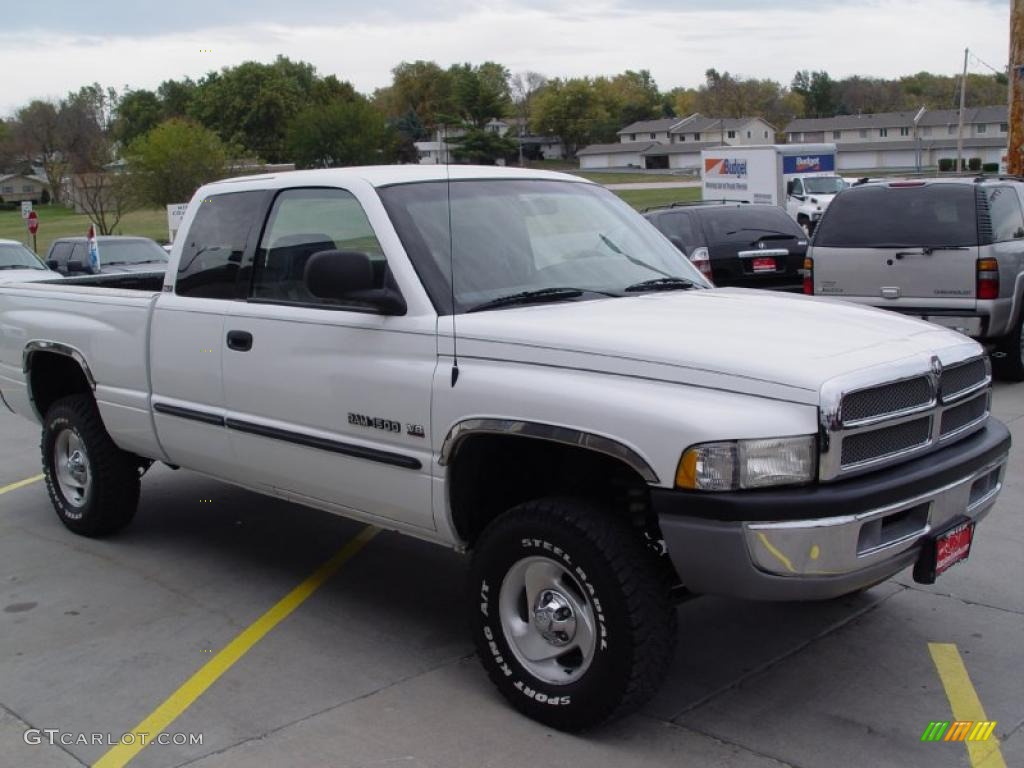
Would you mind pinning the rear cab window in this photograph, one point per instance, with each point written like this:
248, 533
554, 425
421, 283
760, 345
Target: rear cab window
890, 216
216, 241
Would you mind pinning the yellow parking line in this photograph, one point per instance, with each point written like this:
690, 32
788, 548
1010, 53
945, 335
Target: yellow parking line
966, 705
160, 718
20, 484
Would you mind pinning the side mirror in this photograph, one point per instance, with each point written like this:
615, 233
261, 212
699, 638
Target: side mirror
51, 264
789, 187
348, 275
74, 265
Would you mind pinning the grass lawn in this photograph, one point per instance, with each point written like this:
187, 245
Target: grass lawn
646, 198
57, 221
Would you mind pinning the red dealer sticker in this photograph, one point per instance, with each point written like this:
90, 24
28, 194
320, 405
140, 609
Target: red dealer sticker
764, 264
944, 550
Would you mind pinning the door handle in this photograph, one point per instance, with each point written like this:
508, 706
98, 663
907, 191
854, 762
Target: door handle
240, 341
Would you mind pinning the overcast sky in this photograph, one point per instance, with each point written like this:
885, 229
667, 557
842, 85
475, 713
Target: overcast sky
50, 48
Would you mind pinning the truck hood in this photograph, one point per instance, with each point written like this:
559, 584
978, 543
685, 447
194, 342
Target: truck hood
783, 346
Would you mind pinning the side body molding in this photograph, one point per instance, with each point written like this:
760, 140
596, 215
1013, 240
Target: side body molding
548, 432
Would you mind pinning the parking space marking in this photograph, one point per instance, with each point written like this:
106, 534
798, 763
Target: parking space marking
20, 484
161, 718
966, 705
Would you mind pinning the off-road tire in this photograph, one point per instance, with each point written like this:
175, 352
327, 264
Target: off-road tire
109, 501
610, 564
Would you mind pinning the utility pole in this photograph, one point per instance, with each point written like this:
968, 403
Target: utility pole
1015, 153
960, 125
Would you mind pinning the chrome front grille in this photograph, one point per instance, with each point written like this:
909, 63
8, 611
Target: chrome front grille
887, 399
886, 442
964, 415
871, 423
959, 379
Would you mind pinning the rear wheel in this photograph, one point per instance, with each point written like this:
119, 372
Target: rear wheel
1010, 364
571, 618
93, 484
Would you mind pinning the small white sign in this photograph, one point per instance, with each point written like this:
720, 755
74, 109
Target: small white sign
175, 215
26, 208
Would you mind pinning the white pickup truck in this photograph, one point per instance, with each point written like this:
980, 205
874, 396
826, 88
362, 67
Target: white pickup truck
579, 408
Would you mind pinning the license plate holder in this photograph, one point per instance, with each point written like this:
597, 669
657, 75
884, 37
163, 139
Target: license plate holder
764, 264
943, 549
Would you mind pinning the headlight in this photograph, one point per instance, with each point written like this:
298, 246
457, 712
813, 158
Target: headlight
729, 466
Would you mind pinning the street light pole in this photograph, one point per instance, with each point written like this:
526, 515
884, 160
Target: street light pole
1015, 138
960, 124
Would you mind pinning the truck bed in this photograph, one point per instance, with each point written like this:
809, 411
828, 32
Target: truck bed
105, 320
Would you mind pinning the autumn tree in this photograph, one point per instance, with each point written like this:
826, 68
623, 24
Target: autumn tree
170, 162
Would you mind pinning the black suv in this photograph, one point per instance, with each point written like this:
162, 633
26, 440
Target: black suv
118, 255
736, 244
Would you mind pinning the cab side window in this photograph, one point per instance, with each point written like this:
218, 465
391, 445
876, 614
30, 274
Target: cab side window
304, 222
798, 187
216, 241
1004, 207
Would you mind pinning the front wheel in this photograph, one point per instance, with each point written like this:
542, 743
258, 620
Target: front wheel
571, 617
93, 484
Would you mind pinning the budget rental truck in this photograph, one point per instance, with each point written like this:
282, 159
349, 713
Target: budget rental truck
799, 177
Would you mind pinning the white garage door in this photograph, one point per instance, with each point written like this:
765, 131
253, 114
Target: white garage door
898, 158
594, 161
855, 161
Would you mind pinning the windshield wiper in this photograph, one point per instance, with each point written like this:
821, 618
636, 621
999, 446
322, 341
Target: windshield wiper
662, 284
18, 266
632, 259
536, 296
928, 250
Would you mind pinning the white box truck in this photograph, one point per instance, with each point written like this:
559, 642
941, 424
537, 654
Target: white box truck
799, 177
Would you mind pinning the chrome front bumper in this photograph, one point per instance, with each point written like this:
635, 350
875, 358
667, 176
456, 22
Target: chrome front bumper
840, 545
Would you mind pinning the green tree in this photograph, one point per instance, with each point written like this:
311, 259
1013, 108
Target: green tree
569, 109
170, 162
818, 92
251, 105
176, 97
482, 147
420, 86
342, 132
480, 93
138, 112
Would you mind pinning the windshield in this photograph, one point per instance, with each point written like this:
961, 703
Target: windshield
14, 256
824, 185
881, 216
511, 236
139, 251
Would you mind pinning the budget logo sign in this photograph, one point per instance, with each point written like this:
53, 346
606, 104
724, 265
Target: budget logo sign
958, 730
808, 163
725, 167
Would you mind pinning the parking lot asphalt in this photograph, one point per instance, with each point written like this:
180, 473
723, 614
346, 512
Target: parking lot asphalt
375, 667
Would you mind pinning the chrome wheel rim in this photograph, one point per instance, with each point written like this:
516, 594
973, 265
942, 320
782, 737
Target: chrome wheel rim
71, 467
548, 620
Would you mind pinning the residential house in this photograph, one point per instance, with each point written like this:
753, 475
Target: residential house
674, 142
438, 149
891, 139
16, 187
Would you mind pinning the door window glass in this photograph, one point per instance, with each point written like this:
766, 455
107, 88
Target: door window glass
307, 221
